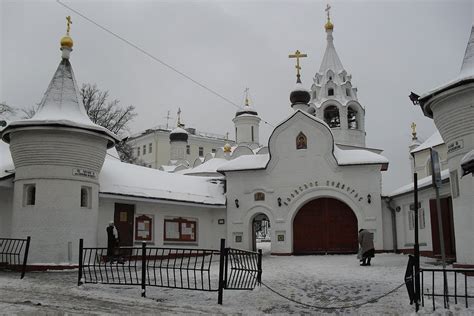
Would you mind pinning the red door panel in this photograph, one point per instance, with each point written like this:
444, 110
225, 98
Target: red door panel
325, 226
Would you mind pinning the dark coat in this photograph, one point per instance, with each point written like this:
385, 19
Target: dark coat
111, 240
366, 241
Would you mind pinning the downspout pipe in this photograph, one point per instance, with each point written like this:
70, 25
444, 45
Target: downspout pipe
388, 202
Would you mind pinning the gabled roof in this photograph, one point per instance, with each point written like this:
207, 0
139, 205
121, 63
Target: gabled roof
342, 157
62, 106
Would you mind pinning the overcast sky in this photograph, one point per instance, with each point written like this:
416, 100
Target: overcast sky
390, 48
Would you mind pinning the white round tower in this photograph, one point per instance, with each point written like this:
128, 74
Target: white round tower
247, 124
451, 106
58, 155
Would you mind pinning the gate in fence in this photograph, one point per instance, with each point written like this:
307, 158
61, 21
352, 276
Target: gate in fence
180, 268
14, 254
458, 289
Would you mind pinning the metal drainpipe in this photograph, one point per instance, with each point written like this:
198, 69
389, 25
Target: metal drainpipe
388, 201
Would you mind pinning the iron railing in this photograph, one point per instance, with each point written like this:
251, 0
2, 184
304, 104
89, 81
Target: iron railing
458, 280
179, 268
14, 254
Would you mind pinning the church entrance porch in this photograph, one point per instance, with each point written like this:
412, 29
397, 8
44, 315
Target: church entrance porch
325, 225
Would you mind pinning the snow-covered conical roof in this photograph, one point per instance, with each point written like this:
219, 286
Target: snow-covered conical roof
466, 74
62, 105
331, 59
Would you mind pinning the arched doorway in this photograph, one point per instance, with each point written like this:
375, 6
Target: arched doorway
260, 231
325, 225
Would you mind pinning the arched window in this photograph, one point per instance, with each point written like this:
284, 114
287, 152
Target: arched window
331, 116
29, 194
352, 118
301, 141
330, 91
348, 92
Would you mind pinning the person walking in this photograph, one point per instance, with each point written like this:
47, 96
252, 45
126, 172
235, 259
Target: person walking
112, 241
366, 242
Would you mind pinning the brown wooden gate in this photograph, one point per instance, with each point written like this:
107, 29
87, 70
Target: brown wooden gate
448, 228
325, 225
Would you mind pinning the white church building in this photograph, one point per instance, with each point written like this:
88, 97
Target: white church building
316, 183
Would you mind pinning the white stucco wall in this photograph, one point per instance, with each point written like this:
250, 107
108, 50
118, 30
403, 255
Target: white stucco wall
209, 232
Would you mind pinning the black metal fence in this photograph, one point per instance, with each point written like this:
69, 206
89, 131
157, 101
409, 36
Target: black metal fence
14, 254
458, 288
189, 269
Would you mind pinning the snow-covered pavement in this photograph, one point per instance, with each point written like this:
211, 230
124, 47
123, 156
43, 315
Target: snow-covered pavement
331, 281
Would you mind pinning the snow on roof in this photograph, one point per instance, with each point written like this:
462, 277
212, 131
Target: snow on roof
179, 130
467, 69
246, 162
358, 157
62, 105
422, 183
131, 180
6, 162
433, 141
209, 166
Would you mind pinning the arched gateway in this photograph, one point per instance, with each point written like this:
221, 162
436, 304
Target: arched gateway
325, 225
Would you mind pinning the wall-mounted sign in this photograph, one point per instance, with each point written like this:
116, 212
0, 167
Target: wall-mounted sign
84, 173
143, 228
281, 237
456, 145
327, 183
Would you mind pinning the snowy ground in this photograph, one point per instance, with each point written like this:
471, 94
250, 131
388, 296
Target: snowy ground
331, 281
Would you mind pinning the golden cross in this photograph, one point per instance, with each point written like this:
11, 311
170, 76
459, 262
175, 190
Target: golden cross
297, 55
69, 22
413, 129
247, 96
328, 8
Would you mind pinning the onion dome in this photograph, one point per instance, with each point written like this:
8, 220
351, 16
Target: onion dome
247, 109
299, 94
66, 41
329, 26
179, 134
227, 148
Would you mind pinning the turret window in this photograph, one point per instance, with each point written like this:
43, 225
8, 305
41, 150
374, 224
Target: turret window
301, 141
331, 116
348, 92
29, 194
330, 91
86, 197
352, 118
251, 131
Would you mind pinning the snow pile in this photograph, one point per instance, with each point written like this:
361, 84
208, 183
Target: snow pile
358, 157
207, 167
246, 162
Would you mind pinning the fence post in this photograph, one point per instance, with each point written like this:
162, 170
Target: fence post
143, 269
259, 267
221, 272
25, 257
81, 249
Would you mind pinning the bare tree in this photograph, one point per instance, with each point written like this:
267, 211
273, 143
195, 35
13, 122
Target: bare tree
6, 109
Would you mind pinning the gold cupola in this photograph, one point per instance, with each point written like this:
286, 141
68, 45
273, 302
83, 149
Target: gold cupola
328, 26
67, 41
